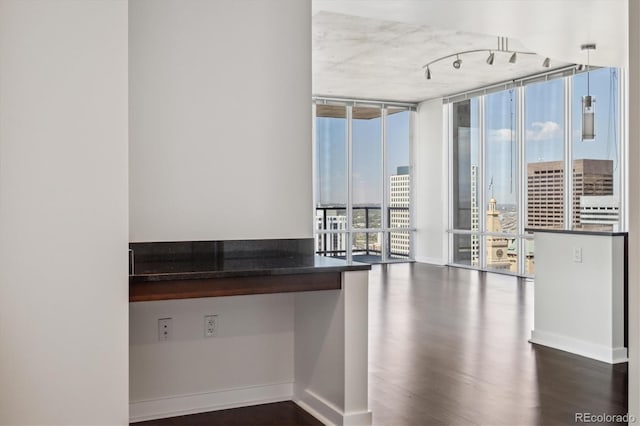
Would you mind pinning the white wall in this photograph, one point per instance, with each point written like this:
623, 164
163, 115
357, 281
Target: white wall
430, 188
249, 360
220, 148
633, 123
63, 212
220, 134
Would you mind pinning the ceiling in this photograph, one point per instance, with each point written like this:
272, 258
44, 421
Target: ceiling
376, 49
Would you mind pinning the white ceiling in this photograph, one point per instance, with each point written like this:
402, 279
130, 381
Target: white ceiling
375, 49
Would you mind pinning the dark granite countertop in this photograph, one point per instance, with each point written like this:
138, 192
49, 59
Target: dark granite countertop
171, 261
193, 270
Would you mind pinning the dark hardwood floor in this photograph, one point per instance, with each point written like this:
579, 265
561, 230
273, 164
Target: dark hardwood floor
276, 414
449, 346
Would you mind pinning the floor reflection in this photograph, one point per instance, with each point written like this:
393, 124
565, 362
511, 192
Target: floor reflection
450, 345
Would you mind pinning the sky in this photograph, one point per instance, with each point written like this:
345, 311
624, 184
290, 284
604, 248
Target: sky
544, 136
544, 128
331, 148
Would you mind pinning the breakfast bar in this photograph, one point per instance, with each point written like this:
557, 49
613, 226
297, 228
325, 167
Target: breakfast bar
293, 326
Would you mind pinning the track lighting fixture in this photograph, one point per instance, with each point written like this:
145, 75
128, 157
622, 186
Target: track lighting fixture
580, 67
588, 104
503, 47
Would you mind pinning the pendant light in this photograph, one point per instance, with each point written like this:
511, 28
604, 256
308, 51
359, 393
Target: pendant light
588, 104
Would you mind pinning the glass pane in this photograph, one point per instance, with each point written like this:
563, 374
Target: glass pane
530, 250
465, 164
500, 162
334, 244
596, 176
366, 246
399, 244
398, 181
544, 154
462, 249
331, 166
367, 167
366, 216
502, 253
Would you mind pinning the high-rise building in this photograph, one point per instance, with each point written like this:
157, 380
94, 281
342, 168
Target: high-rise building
331, 244
599, 210
399, 217
545, 190
475, 217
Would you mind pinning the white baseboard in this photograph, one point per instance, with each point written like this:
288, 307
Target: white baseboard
591, 350
210, 401
363, 418
431, 260
329, 414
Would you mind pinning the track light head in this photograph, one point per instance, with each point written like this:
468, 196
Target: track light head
457, 63
513, 58
580, 67
546, 62
490, 58
427, 74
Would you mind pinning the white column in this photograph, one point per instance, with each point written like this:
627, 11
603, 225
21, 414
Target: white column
430, 188
331, 353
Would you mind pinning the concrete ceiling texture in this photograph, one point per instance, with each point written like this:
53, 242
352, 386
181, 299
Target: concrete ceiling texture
376, 49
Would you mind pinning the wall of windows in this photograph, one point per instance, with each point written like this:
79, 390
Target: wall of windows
363, 181
510, 151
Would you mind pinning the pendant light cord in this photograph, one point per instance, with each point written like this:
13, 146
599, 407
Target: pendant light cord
588, 69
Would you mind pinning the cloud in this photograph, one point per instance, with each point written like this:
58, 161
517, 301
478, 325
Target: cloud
501, 135
542, 131
538, 131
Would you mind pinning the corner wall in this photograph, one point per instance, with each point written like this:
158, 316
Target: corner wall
63, 212
430, 190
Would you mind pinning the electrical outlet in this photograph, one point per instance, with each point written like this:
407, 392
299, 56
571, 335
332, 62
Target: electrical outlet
210, 325
164, 329
577, 254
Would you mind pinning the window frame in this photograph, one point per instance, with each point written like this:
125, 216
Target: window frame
384, 230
